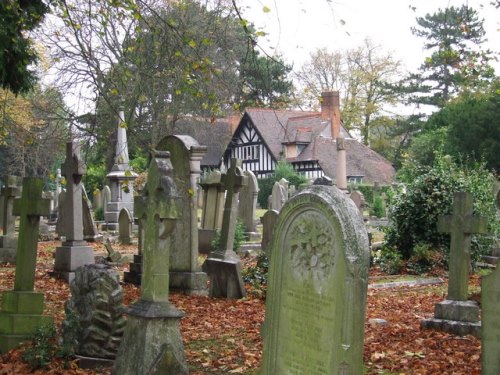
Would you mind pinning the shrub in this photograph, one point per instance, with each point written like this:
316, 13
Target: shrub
99, 214
239, 237
256, 276
390, 261
378, 207
42, 349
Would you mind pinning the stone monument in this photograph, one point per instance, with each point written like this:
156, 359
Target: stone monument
223, 265
278, 196
8, 240
490, 330
457, 314
125, 222
213, 209
316, 298
268, 222
341, 165
248, 205
22, 308
121, 178
74, 251
152, 341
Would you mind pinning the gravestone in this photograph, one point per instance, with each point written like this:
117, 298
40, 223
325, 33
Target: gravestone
457, 314
268, 221
121, 179
106, 197
97, 200
285, 184
125, 222
8, 241
223, 265
323, 180
316, 298
74, 251
213, 209
248, 204
152, 342
185, 273
94, 323
22, 308
90, 232
359, 200
490, 330
115, 256
55, 210
134, 274
278, 196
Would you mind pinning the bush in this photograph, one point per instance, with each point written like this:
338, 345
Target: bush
414, 214
390, 261
239, 237
378, 207
42, 348
424, 259
256, 276
99, 214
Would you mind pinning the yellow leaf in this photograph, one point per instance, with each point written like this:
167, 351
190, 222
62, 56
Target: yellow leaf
266, 9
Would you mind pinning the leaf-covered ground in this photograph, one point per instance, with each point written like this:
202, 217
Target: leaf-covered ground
223, 336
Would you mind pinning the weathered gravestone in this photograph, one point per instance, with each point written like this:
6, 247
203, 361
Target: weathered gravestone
456, 314
278, 196
185, 155
152, 342
359, 200
125, 222
74, 251
8, 240
316, 299
490, 330
223, 265
94, 323
106, 197
22, 308
213, 209
248, 204
90, 232
97, 199
268, 221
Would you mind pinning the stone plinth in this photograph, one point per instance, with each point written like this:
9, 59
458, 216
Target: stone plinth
69, 257
456, 317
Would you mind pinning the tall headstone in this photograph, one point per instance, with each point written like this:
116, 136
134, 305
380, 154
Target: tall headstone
278, 196
121, 178
490, 330
223, 265
125, 222
268, 221
22, 308
248, 204
341, 166
316, 298
55, 211
185, 155
457, 314
213, 209
90, 232
74, 251
152, 342
97, 200
106, 197
8, 241
359, 200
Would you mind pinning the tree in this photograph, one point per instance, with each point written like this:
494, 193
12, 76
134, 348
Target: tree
17, 18
362, 75
453, 37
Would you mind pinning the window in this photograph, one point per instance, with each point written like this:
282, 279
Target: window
250, 152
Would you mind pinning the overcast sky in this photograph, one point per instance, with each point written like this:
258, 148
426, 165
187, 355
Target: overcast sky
297, 27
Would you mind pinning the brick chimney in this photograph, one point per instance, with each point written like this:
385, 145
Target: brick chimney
330, 110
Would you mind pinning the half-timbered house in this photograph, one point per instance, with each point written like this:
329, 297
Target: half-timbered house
307, 140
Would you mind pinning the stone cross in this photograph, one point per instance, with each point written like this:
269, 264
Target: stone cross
29, 207
73, 169
157, 209
461, 224
233, 180
9, 192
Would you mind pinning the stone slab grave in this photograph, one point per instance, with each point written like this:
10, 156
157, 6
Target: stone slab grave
247, 207
316, 298
268, 221
185, 273
223, 265
8, 240
74, 251
125, 222
152, 341
457, 314
490, 330
22, 308
213, 209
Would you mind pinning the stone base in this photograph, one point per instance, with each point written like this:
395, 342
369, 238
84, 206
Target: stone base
92, 362
253, 236
133, 276
205, 237
152, 341
8, 255
94, 238
190, 283
225, 278
20, 317
456, 317
69, 258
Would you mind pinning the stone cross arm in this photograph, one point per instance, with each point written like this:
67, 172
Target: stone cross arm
468, 225
31, 203
73, 166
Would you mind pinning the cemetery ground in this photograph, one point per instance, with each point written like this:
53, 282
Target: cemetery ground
223, 336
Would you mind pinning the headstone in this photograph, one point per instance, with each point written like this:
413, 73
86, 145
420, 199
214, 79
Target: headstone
185, 273
285, 185
278, 197
94, 323
90, 232
359, 200
268, 221
152, 342
223, 265
490, 330
323, 180
97, 200
125, 222
113, 255
22, 308
55, 211
134, 274
121, 179
8, 240
316, 298
106, 198
213, 209
74, 251
248, 204
456, 314
341, 165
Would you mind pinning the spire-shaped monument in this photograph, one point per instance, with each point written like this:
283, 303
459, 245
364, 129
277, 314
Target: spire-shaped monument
121, 179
